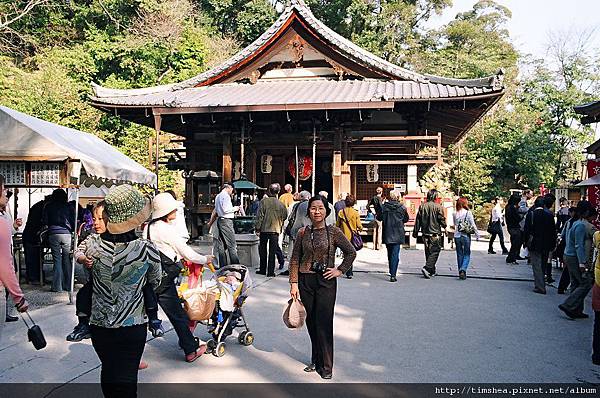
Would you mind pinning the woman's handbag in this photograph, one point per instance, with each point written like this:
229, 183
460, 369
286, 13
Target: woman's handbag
294, 314
199, 303
34, 333
356, 239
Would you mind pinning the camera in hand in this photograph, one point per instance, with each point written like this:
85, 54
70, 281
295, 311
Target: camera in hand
318, 267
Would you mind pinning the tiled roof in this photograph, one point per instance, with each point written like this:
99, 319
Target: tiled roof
298, 93
345, 46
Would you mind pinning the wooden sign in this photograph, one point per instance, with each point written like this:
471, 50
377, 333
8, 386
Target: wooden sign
45, 174
266, 164
372, 172
15, 173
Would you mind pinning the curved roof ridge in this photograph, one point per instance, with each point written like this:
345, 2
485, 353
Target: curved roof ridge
495, 80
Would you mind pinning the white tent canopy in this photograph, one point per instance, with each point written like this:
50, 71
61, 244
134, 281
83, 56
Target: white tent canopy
25, 136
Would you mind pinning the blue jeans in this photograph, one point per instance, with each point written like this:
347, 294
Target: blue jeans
393, 257
463, 252
61, 248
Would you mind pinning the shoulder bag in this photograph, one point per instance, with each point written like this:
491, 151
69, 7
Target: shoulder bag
464, 226
356, 239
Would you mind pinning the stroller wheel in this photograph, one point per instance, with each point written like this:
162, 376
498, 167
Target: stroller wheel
210, 346
246, 338
219, 350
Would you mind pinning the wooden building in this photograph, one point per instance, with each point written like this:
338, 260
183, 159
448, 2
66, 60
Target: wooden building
302, 88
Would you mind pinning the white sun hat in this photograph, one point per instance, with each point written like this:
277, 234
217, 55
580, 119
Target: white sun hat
163, 204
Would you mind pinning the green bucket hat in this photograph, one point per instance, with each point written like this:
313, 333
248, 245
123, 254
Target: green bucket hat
127, 209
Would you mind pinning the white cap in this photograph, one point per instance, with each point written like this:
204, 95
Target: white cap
163, 204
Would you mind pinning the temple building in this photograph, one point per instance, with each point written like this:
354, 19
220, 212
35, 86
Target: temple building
304, 105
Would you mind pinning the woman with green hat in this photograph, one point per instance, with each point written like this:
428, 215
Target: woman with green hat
122, 265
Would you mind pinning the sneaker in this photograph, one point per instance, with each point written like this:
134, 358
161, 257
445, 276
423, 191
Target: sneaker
462, 275
425, 273
80, 332
196, 354
310, 368
349, 276
581, 315
393, 279
567, 312
10, 318
155, 326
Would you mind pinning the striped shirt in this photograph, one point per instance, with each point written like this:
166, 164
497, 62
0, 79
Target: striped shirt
120, 271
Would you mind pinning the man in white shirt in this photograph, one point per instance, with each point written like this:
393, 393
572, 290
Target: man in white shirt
496, 225
225, 214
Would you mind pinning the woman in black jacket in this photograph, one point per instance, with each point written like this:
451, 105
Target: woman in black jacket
393, 215
514, 230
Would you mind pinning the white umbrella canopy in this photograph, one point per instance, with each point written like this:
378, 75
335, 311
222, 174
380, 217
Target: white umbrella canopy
595, 180
26, 137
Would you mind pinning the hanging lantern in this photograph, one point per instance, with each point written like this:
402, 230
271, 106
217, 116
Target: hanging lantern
372, 172
304, 167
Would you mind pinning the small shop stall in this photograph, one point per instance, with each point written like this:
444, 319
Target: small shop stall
39, 154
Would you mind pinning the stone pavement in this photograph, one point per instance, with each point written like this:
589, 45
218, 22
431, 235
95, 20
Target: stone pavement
415, 330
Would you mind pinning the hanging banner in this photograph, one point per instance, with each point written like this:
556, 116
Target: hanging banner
237, 170
372, 172
304, 167
45, 174
593, 192
266, 164
14, 173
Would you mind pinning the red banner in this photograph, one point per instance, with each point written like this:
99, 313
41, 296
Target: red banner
593, 192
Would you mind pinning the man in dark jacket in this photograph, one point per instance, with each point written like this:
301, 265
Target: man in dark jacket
269, 222
31, 241
431, 222
393, 215
540, 239
374, 207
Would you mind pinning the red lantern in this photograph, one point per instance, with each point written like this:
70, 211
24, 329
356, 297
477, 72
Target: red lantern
304, 167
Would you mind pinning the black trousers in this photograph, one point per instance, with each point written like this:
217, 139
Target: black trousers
120, 351
272, 238
32, 261
515, 244
83, 302
565, 279
171, 305
596, 338
500, 236
433, 246
318, 296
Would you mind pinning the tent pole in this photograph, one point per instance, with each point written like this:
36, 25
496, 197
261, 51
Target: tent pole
75, 242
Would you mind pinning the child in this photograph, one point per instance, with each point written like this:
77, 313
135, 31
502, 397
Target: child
83, 304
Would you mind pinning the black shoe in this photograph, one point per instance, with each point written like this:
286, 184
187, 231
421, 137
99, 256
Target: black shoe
505, 252
596, 361
326, 376
10, 318
539, 291
349, 276
425, 273
567, 312
491, 252
286, 272
81, 331
270, 275
550, 279
560, 291
520, 258
462, 275
261, 272
310, 368
581, 315
281, 266
393, 279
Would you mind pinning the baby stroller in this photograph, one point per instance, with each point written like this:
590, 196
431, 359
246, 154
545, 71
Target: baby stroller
228, 314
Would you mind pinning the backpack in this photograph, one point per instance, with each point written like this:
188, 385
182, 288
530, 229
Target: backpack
292, 220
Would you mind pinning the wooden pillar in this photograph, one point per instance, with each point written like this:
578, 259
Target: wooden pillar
157, 124
227, 164
336, 165
439, 148
346, 177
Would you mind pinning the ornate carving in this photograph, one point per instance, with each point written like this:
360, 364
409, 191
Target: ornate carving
339, 70
296, 48
254, 76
